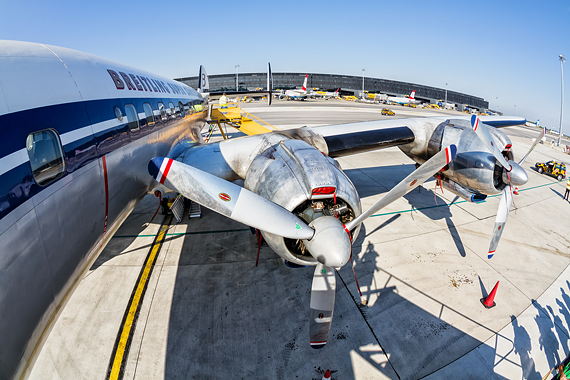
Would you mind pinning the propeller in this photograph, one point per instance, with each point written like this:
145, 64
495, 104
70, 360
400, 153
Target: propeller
322, 305
513, 175
331, 246
228, 199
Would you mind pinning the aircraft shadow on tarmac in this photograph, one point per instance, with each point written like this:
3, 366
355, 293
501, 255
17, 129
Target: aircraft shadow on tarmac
420, 199
229, 317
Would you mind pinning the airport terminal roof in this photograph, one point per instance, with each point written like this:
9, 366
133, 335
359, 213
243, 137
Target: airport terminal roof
331, 82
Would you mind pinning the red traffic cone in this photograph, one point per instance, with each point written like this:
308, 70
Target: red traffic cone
489, 301
516, 192
327, 375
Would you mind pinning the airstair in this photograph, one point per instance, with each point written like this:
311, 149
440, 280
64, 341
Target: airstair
239, 119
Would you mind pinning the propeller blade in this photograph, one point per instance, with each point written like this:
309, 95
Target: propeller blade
322, 305
418, 176
501, 220
538, 138
228, 199
481, 130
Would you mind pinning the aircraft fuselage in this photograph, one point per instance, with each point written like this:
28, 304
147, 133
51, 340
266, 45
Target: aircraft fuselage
78, 133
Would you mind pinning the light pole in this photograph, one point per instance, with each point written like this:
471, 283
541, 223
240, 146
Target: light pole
445, 105
497, 104
515, 110
237, 67
363, 83
562, 60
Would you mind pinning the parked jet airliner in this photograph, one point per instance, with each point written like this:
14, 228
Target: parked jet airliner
84, 139
405, 100
298, 94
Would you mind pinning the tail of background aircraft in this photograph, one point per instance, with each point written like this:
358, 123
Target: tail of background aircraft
204, 83
305, 83
413, 95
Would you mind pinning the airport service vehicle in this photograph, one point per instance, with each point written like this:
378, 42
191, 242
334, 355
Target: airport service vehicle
85, 139
326, 94
387, 111
552, 168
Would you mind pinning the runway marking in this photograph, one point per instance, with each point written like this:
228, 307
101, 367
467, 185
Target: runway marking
185, 233
122, 345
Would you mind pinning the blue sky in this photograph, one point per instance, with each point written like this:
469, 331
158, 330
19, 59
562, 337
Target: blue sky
506, 52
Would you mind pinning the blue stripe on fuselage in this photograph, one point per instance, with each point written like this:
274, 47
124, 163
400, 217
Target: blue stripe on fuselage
17, 184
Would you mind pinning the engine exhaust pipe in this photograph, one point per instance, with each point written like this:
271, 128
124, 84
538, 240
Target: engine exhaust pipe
463, 192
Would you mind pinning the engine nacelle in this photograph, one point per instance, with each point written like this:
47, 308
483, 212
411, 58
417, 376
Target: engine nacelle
301, 179
474, 169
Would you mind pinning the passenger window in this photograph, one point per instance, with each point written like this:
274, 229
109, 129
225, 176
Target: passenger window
118, 113
46, 156
162, 110
149, 114
181, 108
132, 116
172, 110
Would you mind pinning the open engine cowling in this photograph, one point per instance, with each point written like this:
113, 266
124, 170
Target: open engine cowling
301, 179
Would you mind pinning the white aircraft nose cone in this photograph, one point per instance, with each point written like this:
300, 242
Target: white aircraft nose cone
330, 245
517, 176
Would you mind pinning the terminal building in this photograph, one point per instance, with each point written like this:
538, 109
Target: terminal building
348, 84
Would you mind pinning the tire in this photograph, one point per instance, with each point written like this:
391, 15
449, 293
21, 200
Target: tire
559, 177
540, 170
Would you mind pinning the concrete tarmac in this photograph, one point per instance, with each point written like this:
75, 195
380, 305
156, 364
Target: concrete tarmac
209, 313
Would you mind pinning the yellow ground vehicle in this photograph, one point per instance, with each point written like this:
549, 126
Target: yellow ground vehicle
553, 168
387, 111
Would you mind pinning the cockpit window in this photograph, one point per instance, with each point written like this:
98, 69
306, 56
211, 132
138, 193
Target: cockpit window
46, 156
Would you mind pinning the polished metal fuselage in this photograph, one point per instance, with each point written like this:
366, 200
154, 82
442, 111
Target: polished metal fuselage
50, 234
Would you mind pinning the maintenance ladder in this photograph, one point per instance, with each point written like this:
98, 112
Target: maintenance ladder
237, 118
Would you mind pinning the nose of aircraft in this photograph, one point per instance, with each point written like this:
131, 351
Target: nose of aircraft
517, 176
331, 245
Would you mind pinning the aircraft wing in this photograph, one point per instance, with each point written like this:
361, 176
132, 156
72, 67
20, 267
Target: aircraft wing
346, 139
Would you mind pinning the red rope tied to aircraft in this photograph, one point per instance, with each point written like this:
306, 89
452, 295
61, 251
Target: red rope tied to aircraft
334, 197
258, 234
438, 179
157, 194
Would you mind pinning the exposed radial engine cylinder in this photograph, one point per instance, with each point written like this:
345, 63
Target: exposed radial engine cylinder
300, 178
474, 168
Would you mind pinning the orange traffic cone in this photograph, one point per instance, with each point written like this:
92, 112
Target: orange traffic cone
327, 375
489, 301
516, 192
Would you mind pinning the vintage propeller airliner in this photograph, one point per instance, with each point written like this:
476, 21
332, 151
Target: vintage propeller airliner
85, 139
